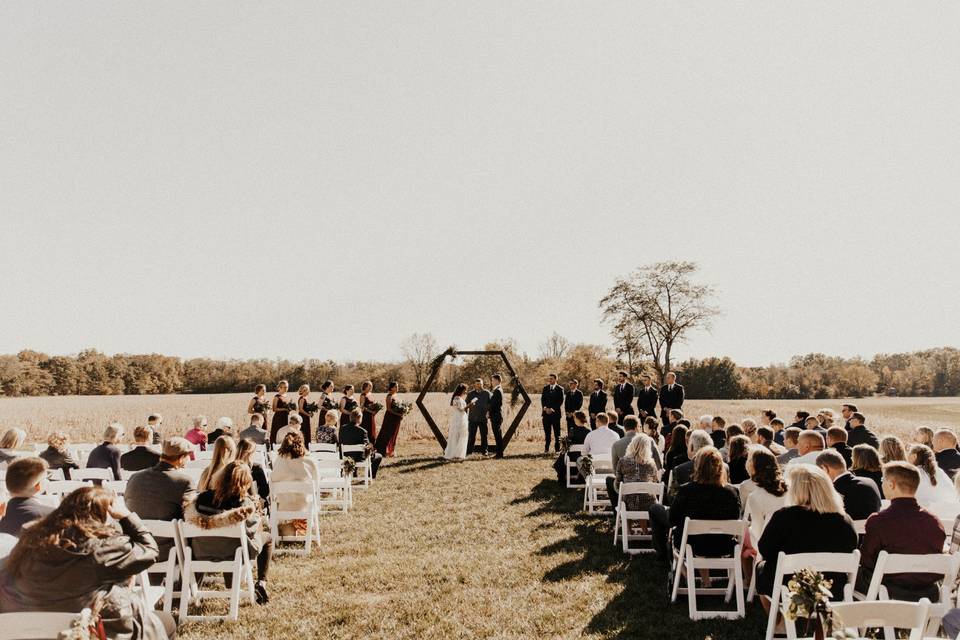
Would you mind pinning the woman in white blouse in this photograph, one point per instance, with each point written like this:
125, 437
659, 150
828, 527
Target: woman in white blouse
293, 465
935, 484
768, 492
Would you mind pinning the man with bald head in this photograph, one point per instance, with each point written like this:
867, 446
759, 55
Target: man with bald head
809, 447
945, 446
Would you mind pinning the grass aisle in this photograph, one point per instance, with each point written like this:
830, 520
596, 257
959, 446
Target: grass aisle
481, 549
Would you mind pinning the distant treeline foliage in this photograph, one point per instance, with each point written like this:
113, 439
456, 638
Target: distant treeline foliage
934, 372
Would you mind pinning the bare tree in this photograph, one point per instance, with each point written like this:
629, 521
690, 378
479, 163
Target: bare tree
629, 345
660, 303
555, 347
419, 349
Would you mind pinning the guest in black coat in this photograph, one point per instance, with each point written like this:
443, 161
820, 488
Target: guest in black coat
598, 402
866, 464
837, 440
738, 450
141, 456
647, 398
945, 447
814, 522
859, 434
24, 481
107, 454
623, 397
353, 434
57, 454
671, 397
551, 401
577, 435
612, 423
861, 498
496, 413
572, 402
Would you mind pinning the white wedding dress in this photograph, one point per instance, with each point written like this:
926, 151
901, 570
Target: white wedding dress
457, 433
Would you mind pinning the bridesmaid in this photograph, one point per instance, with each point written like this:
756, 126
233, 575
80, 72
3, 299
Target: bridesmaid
258, 403
326, 398
280, 405
369, 421
303, 400
347, 404
391, 423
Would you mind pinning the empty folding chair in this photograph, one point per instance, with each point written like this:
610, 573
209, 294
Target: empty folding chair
91, 474
304, 490
857, 617
621, 526
169, 567
239, 568
686, 563
324, 447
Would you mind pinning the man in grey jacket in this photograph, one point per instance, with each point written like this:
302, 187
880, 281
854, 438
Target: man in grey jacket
617, 451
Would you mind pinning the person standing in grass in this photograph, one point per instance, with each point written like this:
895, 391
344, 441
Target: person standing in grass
387, 438
281, 405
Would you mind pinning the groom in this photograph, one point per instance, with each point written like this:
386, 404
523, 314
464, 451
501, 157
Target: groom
496, 412
477, 418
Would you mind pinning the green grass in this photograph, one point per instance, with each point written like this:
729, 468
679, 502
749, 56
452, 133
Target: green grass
481, 549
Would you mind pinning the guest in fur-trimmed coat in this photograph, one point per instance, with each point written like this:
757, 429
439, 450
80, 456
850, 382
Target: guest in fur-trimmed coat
227, 504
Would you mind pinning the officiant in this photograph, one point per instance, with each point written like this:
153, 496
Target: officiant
477, 416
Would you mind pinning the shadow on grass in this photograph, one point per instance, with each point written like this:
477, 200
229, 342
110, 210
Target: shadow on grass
424, 463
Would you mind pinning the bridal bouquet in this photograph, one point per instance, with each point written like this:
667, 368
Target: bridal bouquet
402, 408
374, 407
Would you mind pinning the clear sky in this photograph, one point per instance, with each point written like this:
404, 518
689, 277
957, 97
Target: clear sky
320, 179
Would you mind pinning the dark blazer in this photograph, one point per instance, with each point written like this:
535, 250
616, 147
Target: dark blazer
705, 502
139, 458
105, 456
844, 450
949, 461
623, 398
353, 434
598, 402
617, 429
671, 399
20, 511
59, 460
496, 403
572, 401
552, 399
860, 496
478, 412
647, 401
876, 476
862, 435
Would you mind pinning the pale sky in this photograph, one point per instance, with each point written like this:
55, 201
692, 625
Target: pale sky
320, 179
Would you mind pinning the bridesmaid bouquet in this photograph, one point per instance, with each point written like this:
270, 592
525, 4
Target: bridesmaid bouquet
310, 407
809, 594
565, 443
288, 405
259, 406
328, 404
350, 405
375, 407
585, 465
402, 408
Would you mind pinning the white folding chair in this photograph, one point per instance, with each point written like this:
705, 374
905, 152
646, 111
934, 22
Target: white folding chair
239, 569
204, 455
91, 474
126, 475
151, 595
332, 457
363, 471
857, 617
197, 464
307, 490
193, 474
860, 526
685, 562
119, 487
595, 498
63, 487
37, 625
573, 474
52, 474
621, 525
171, 566
324, 447
787, 565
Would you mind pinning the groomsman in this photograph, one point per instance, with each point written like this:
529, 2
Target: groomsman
551, 399
496, 412
671, 397
647, 398
598, 402
572, 402
623, 397
477, 418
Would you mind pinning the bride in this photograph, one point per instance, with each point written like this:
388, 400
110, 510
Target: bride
457, 435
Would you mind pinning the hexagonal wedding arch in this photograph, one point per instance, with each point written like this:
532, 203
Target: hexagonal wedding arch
454, 353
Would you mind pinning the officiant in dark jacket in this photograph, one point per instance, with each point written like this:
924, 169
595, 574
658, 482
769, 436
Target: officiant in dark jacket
671, 397
598, 402
477, 416
647, 399
551, 400
623, 397
496, 413
572, 402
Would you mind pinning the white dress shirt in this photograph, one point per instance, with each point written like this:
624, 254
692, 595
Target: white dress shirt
599, 441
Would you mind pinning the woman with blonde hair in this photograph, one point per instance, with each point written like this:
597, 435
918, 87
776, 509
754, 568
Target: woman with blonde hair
923, 435
224, 452
57, 455
813, 521
935, 484
637, 465
11, 441
892, 450
306, 410
258, 403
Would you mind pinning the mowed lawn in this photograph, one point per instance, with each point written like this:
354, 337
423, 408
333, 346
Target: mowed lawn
481, 549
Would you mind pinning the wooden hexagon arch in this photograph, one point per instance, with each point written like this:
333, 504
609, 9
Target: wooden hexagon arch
438, 364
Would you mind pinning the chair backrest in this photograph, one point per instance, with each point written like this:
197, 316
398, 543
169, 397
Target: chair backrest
197, 464
166, 529
126, 475
654, 489
823, 562
36, 625
884, 613
734, 528
329, 469
91, 474
63, 487
119, 487
204, 455
325, 455
940, 564
576, 448
860, 526
194, 474
259, 457
323, 446
351, 448
299, 487
54, 474
188, 531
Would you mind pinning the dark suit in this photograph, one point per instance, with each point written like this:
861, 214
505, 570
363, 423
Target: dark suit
860, 496
551, 399
949, 461
572, 401
139, 458
21, 511
623, 399
477, 419
353, 434
844, 450
647, 402
496, 419
670, 399
862, 435
598, 404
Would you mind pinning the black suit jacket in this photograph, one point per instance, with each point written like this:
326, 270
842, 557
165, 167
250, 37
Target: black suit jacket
671, 399
552, 399
862, 435
623, 399
496, 403
844, 450
139, 458
598, 402
860, 496
573, 401
353, 434
647, 401
949, 461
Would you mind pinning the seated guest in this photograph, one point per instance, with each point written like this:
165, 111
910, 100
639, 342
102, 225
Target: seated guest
892, 450
24, 481
57, 455
800, 420
859, 434
837, 440
10, 443
945, 448
293, 465
778, 426
860, 495
600, 440
613, 423
749, 426
677, 453
764, 438
636, 465
578, 434
813, 423
866, 464
141, 456
224, 428
75, 558
327, 432
651, 429
107, 454
825, 417
809, 446
353, 434
630, 426
198, 433
764, 493
674, 417
706, 497
923, 435
294, 422
731, 432
791, 437
223, 454
718, 432
935, 484
256, 431
155, 424
906, 528
813, 521
245, 450
737, 451
683, 473
226, 504
160, 492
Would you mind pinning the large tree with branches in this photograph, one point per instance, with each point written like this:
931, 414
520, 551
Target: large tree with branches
661, 304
